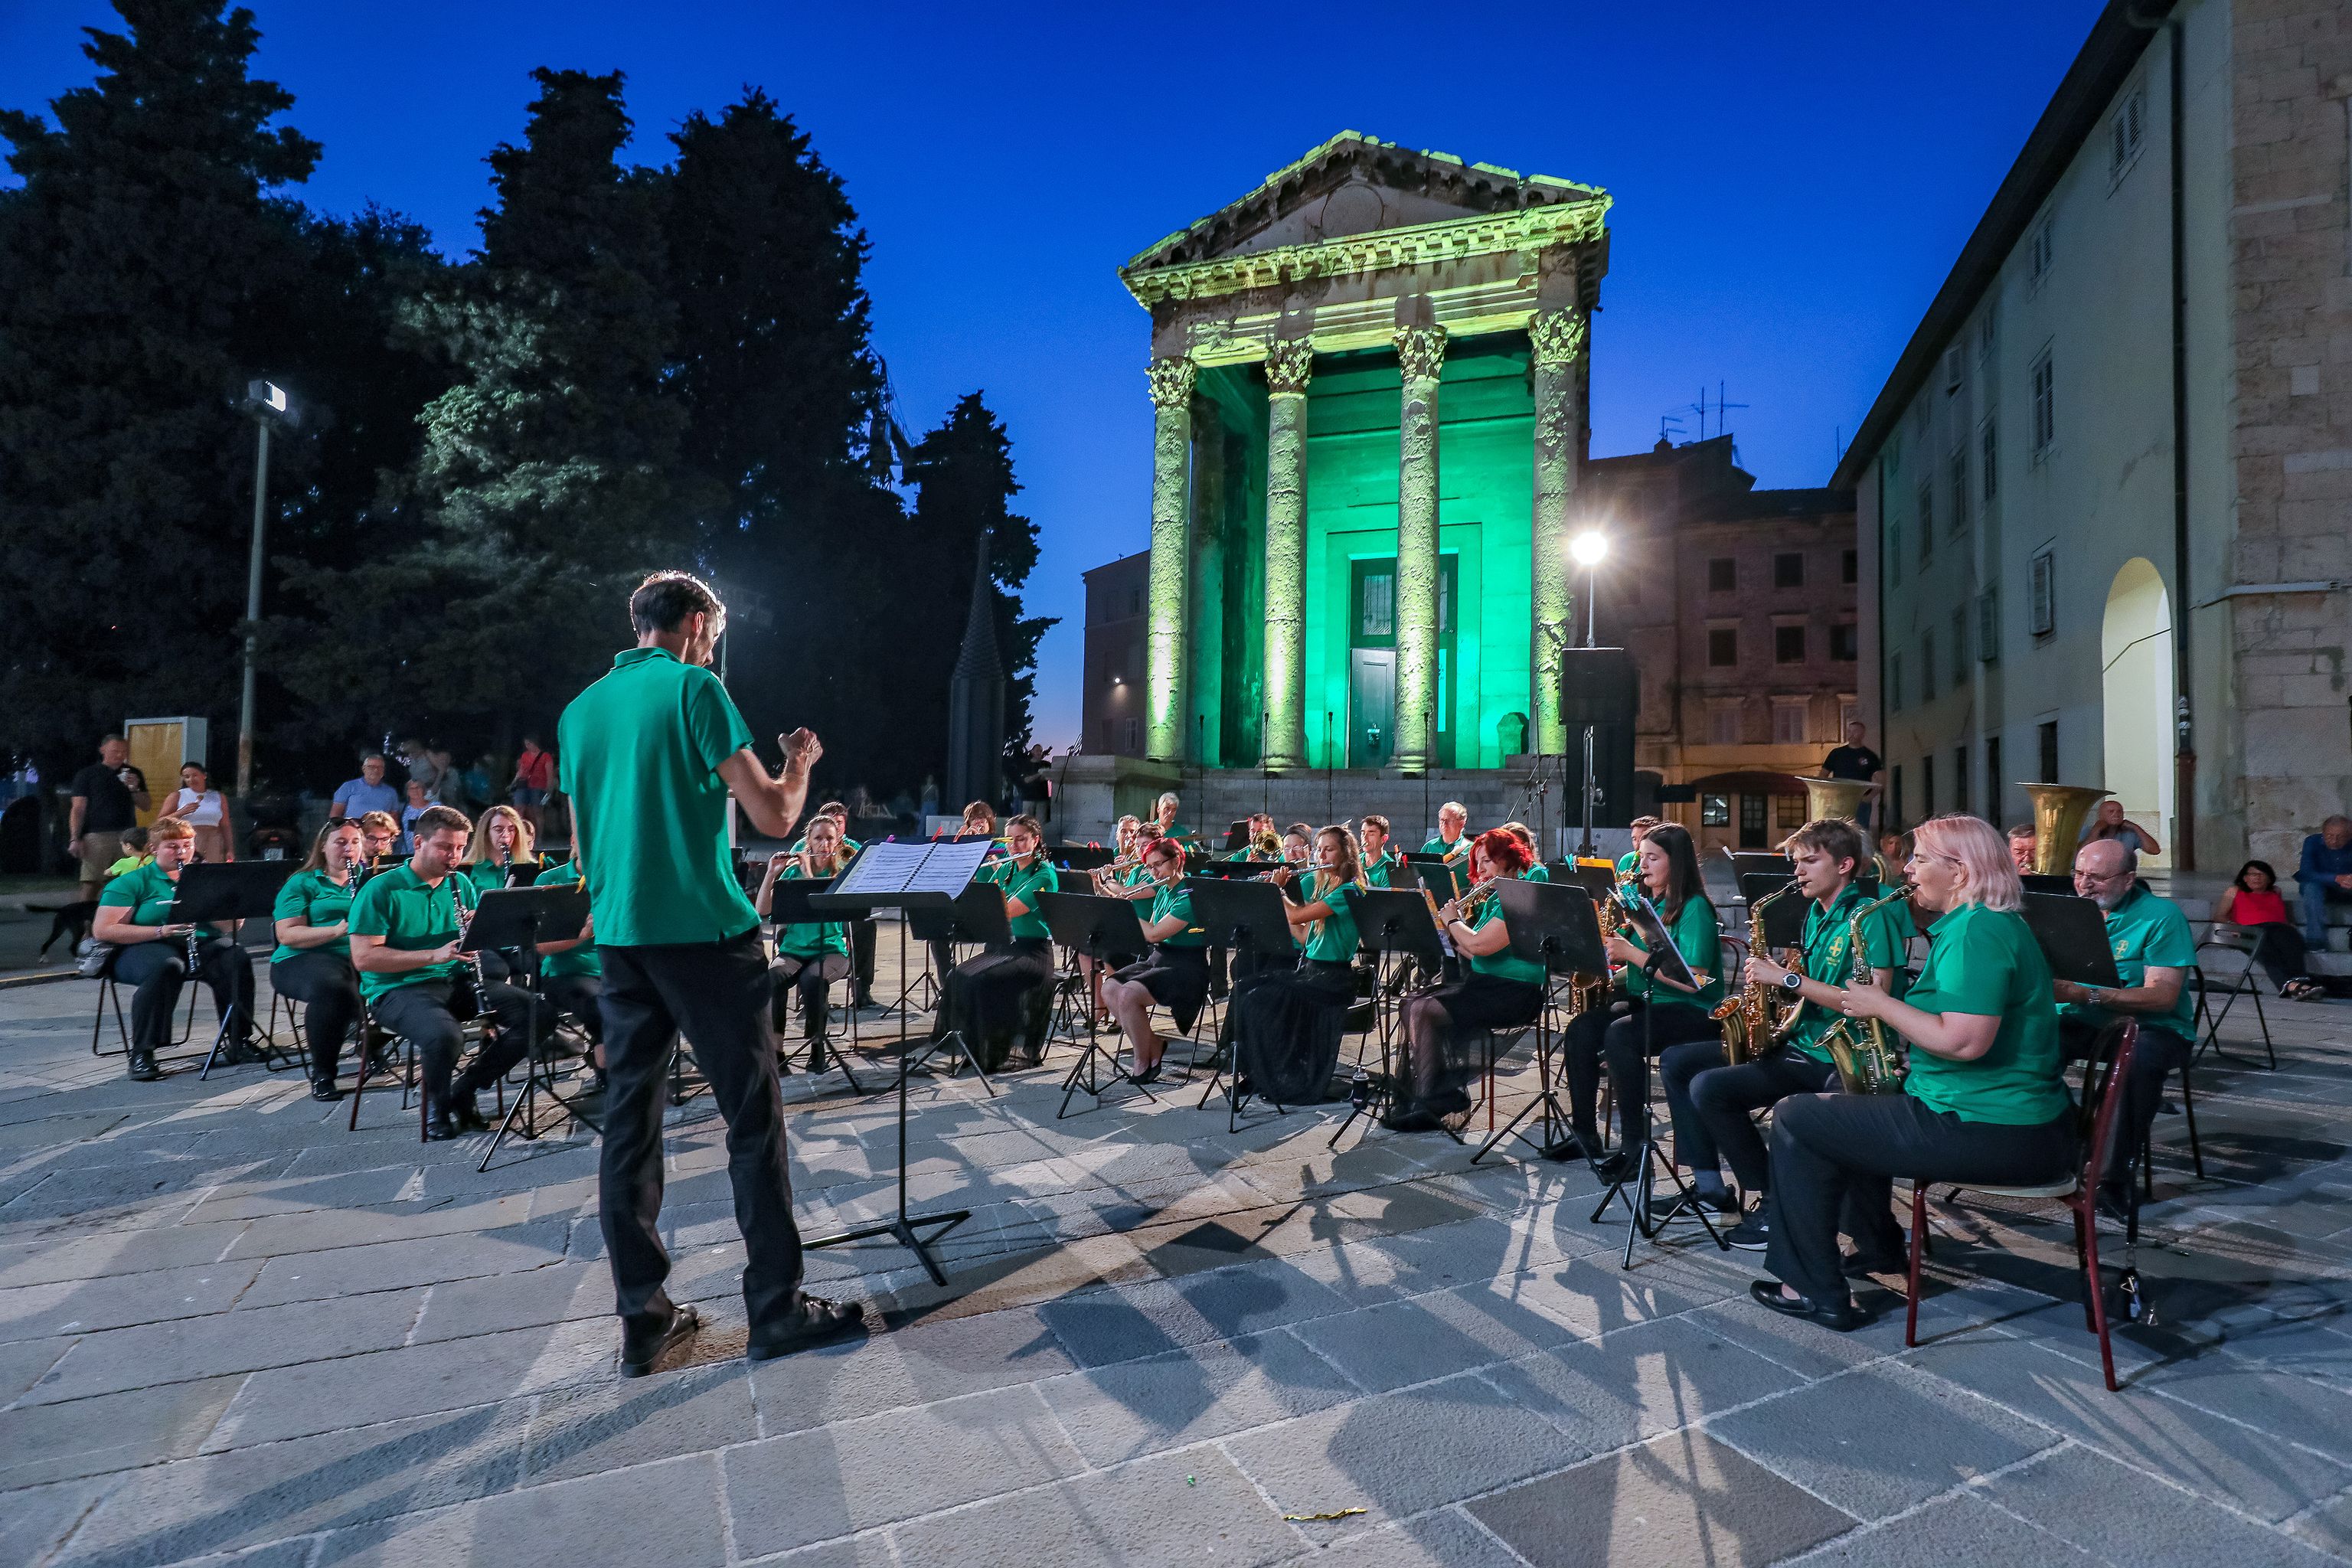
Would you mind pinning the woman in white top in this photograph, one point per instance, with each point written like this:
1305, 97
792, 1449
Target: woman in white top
200, 805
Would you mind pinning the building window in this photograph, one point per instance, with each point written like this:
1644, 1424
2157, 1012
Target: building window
1789, 645
1723, 575
2042, 251
1135, 600
1960, 778
2050, 752
1715, 811
1850, 566
1926, 667
2126, 133
1379, 619
1927, 516
1956, 361
1723, 724
1134, 735
1845, 644
1987, 627
1987, 334
1895, 682
1894, 458
1960, 648
1722, 647
1927, 786
1789, 727
1789, 569
2045, 406
1788, 812
1956, 475
2041, 597
1108, 746
1989, 458
1993, 790
1894, 555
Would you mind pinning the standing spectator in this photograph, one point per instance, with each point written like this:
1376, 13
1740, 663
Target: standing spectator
449, 788
357, 797
534, 775
108, 796
2109, 823
2020, 847
2251, 902
2324, 877
200, 805
479, 779
419, 764
1856, 761
419, 802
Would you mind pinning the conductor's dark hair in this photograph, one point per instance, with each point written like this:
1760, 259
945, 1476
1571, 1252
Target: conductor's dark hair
1682, 880
664, 600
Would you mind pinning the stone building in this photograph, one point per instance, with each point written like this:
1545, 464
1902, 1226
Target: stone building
2103, 494
1111, 702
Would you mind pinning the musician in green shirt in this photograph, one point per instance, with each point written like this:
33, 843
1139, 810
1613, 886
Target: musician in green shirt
312, 964
1631, 861
1289, 1017
1451, 841
1498, 990
811, 955
1175, 973
1381, 863
1000, 999
135, 913
571, 976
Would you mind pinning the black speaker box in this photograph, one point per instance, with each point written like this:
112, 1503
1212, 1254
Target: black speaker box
1598, 686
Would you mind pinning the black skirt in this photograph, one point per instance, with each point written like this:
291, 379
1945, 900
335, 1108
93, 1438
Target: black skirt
1286, 1029
1439, 1071
1479, 1001
999, 996
1178, 979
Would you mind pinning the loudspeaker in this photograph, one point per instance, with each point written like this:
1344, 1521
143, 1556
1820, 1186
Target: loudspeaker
1598, 686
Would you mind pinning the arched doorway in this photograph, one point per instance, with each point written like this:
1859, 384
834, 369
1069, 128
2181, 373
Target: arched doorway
2136, 694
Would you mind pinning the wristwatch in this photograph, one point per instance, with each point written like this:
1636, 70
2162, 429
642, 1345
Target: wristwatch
1792, 982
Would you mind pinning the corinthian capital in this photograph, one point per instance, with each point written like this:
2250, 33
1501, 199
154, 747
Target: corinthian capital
1420, 352
1171, 382
1288, 362
1557, 336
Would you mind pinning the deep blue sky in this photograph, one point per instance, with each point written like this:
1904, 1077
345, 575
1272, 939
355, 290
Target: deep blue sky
1792, 180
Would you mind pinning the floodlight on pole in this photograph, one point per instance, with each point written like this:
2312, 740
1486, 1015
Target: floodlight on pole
1588, 548
268, 404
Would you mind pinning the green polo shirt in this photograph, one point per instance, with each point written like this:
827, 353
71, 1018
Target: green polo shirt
2146, 929
397, 905
488, 877
1439, 846
809, 938
313, 898
1986, 961
145, 892
640, 750
1700, 940
581, 960
1335, 940
1176, 898
1503, 963
1025, 885
1628, 863
1380, 873
1539, 872
1886, 937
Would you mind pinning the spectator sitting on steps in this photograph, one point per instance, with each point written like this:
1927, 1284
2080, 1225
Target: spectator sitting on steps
2325, 877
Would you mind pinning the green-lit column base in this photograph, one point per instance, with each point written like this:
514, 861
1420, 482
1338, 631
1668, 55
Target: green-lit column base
1287, 367
1420, 356
1555, 339
1163, 657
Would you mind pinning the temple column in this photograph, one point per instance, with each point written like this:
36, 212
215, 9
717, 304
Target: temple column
1420, 356
1555, 339
1205, 672
1164, 673
1288, 362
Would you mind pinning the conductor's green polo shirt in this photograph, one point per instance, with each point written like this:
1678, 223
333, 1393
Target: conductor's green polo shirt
640, 753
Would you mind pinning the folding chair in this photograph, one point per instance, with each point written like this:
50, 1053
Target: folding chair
2097, 1118
110, 998
2248, 957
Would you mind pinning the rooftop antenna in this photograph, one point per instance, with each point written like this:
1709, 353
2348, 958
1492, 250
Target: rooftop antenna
1721, 428
1669, 425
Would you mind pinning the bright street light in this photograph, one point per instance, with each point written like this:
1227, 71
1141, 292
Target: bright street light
268, 404
1589, 547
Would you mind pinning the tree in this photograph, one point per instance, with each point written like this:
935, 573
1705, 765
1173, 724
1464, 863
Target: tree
139, 263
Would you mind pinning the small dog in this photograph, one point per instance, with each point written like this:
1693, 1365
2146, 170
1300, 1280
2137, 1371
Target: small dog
72, 922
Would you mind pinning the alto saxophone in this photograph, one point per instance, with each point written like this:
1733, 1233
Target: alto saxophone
1751, 1028
1868, 1061
1586, 992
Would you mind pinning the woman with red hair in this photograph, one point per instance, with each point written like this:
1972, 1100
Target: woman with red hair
1498, 990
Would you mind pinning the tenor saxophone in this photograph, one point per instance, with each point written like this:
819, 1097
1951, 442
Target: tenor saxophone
1750, 1027
1868, 1061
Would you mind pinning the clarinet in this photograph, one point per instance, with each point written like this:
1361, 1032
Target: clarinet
465, 916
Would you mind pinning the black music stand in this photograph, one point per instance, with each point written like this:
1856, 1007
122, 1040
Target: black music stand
1556, 925
788, 905
1096, 926
1784, 922
1642, 915
974, 915
1393, 922
1449, 880
2071, 933
902, 876
519, 919
236, 890
1084, 856
2057, 887
1247, 917
1746, 863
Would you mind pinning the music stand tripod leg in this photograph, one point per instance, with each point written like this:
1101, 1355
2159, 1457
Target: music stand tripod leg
904, 1228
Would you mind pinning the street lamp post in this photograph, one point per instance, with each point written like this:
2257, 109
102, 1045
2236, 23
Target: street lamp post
1588, 548
269, 405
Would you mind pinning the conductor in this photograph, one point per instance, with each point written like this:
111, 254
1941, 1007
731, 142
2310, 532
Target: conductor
650, 752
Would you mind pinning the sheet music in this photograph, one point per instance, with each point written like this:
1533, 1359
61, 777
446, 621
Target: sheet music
948, 868
882, 869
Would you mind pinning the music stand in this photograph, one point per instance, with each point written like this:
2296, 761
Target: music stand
903, 876
1096, 926
2073, 935
1748, 863
1784, 922
1084, 856
1642, 915
1237, 835
1248, 918
1392, 922
788, 905
975, 915
520, 919
1554, 924
2061, 887
236, 890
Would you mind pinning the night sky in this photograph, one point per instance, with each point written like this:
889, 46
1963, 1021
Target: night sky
1791, 180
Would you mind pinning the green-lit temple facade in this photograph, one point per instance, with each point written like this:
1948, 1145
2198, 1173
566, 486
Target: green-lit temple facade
1369, 379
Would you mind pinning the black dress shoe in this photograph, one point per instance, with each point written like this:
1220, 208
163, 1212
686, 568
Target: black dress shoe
144, 1068
323, 1089
638, 1354
1150, 1075
813, 1321
1843, 1318
467, 1114
441, 1127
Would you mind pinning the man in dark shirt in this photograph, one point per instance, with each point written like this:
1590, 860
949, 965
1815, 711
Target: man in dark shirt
107, 798
2324, 877
1854, 761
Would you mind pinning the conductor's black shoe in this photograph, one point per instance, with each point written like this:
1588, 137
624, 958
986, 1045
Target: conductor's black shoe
1842, 1316
1862, 1265
638, 1352
142, 1067
323, 1089
813, 1321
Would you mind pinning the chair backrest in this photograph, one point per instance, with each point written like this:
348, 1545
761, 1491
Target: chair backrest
2101, 1113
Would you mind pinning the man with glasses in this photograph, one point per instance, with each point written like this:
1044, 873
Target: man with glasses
2154, 951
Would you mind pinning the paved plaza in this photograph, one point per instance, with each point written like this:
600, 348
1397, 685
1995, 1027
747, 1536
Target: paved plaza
233, 1330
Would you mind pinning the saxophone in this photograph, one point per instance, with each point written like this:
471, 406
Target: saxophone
1586, 992
1868, 1061
1749, 1026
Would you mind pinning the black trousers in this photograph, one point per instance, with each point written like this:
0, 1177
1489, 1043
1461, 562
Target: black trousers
1823, 1144
575, 997
329, 989
1720, 1102
426, 1013
716, 993
809, 978
2281, 951
864, 935
2159, 1055
157, 970
1602, 1034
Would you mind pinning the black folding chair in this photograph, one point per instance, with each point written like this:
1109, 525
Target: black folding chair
2247, 959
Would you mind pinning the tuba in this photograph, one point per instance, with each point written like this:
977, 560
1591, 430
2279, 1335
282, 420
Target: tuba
1750, 1026
2058, 814
1867, 1062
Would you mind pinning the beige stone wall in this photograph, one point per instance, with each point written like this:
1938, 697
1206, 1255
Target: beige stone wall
2291, 252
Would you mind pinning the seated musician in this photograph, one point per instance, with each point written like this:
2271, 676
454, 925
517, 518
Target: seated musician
1131, 881
811, 955
380, 831
1631, 861
1500, 990
1381, 863
1537, 871
134, 913
1287, 1020
2154, 952
979, 821
1175, 975
1258, 825
1451, 841
501, 840
404, 935
1983, 1101
571, 974
863, 933
313, 961
1650, 1008
1298, 845
1163, 817
994, 998
1713, 1106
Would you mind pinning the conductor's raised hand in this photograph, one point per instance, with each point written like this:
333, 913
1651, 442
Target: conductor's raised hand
802, 749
